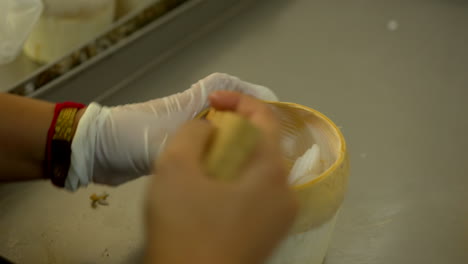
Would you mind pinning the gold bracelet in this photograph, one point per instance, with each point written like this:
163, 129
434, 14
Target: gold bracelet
64, 125
59, 143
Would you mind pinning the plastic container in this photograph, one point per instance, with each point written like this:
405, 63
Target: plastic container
320, 198
67, 24
17, 18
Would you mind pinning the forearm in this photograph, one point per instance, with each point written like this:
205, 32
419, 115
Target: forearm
23, 137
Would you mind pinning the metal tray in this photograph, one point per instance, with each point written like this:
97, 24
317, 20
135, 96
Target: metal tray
133, 44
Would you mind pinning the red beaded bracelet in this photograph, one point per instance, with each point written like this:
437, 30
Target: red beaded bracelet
59, 138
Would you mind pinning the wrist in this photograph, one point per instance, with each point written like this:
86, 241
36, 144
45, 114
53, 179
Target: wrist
78, 116
59, 139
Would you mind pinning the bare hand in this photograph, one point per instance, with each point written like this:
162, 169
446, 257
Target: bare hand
193, 218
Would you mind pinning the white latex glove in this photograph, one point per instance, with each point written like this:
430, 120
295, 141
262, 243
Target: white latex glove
113, 145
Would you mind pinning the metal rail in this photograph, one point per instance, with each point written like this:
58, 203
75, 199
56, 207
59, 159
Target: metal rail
148, 37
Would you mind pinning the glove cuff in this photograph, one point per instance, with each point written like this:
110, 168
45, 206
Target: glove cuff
83, 147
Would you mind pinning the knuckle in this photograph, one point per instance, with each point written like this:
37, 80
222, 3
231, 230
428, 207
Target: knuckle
198, 128
171, 157
189, 125
217, 76
219, 81
212, 78
195, 124
265, 110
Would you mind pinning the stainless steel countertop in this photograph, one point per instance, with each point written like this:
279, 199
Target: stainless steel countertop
399, 96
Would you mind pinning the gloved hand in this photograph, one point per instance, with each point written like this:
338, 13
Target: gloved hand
113, 145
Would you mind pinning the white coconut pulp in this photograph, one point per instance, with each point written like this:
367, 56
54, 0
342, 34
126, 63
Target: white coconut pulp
315, 160
67, 24
307, 167
306, 144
